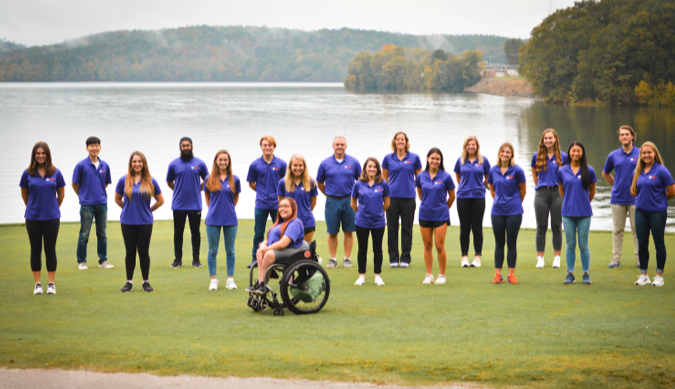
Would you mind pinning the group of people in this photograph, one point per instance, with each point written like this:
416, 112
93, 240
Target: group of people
358, 199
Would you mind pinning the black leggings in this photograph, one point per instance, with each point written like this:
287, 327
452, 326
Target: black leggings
471, 213
362, 238
506, 228
195, 218
405, 209
37, 231
137, 237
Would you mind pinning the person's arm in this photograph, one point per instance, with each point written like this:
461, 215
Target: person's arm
170, 184
159, 201
280, 197
523, 191
591, 192
459, 177
207, 198
312, 202
119, 200
385, 175
252, 185
608, 178
280, 244
492, 190
535, 177
485, 183
235, 199
76, 188
419, 192
24, 195
417, 172
60, 194
670, 191
561, 190
451, 197
355, 205
386, 203
322, 187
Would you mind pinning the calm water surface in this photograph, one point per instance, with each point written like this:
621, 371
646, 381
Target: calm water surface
303, 118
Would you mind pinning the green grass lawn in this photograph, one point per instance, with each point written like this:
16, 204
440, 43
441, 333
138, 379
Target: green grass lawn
538, 333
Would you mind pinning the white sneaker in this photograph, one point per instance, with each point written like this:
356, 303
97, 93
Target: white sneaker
643, 279
378, 281
429, 279
38, 288
83, 266
360, 281
105, 265
465, 262
556, 262
51, 289
658, 281
214, 284
540, 262
230, 284
475, 263
440, 280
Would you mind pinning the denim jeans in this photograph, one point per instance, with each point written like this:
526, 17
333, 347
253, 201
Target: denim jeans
577, 226
213, 235
87, 215
259, 228
654, 222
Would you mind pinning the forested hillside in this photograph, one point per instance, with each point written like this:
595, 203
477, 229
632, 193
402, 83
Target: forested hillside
204, 53
614, 51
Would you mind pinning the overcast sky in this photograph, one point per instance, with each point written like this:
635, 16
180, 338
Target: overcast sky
43, 22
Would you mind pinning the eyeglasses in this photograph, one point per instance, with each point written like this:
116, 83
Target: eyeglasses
284, 206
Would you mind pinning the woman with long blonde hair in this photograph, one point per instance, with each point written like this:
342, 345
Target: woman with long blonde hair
652, 187
133, 193
221, 193
472, 170
301, 187
545, 164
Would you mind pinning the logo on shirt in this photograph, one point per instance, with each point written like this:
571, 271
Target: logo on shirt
633, 159
438, 182
509, 177
50, 179
479, 164
554, 162
102, 171
407, 162
377, 190
275, 168
348, 166
194, 167
579, 177
653, 177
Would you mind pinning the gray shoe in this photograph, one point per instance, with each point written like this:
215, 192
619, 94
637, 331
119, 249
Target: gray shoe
347, 263
332, 264
105, 265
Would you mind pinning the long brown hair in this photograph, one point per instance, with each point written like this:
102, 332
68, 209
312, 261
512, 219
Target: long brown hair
213, 183
511, 161
307, 181
542, 154
146, 188
364, 175
49, 168
407, 141
641, 165
284, 223
465, 154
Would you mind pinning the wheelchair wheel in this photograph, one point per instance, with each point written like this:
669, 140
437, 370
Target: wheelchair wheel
300, 271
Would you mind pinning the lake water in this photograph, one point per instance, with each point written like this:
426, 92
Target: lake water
304, 118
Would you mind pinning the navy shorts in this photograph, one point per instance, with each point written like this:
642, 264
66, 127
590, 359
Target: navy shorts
339, 211
433, 224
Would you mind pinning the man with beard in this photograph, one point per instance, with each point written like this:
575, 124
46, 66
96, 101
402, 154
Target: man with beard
186, 178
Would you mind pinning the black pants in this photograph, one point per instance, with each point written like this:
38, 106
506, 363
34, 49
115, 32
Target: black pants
506, 229
471, 213
195, 218
405, 209
362, 238
547, 200
39, 230
137, 238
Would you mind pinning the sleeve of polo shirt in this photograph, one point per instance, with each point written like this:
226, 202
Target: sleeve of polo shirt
592, 178
418, 181
314, 191
76, 174
252, 174
206, 190
385, 162
355, 191
490, 177
534, 161
417, 163
203, 171
295, 230
158, 190
284, 166
108, 176
281, 186
559, 176
119, 189
666, 177
449, 184
486, 166
520, 175
171, 173
357, 169
237, 185
60, 182
386, 188
609, 164
24, 180
321, 173
458, 166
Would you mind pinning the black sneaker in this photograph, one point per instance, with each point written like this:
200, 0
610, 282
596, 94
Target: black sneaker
176, 264
253, 288
127, 287
147, 287
197, 264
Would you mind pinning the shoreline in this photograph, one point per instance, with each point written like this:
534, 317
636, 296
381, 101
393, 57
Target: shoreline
510, 87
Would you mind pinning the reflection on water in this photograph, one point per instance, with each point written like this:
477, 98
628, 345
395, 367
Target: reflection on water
304, 118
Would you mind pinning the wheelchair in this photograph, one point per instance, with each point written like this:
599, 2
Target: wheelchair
302, 286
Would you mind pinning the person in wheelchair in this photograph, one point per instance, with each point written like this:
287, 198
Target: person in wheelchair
284, 239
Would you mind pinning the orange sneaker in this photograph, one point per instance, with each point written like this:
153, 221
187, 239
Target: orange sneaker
498, 279
512, 279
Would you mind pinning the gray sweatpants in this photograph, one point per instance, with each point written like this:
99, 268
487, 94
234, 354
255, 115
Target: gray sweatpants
547, 200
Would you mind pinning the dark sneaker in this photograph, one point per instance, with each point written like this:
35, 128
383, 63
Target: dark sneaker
569, 279
127, 287
176, 264
197, 264
147, 287
332, 264
587, 279
253, 288
250, 265
347, 263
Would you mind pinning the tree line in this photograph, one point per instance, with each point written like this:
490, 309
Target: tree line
620, 52
405, 69
207, 53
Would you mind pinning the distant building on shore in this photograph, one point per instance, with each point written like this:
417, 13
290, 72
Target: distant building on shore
499, 70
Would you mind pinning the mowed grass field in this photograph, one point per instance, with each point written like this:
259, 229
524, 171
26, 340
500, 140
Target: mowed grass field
537, 333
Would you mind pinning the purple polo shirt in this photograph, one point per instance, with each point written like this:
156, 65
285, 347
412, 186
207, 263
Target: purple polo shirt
575, 202
434, 204
294, 230
187, 178
651, 189
266, 177
303, 199
371, 203
339, 177
92, 181
42, 202
507, 190
137, 211
473, 175
221, 209
548, 176
402, 174
624, 165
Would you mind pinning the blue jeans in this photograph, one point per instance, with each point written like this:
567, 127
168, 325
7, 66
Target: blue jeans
259, 228
654, 222
577, 226
213, 235
87, 215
